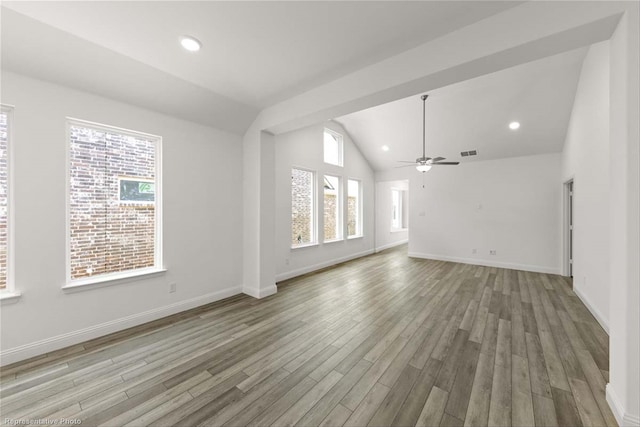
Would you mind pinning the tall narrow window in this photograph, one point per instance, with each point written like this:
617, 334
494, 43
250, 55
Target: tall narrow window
303, 227
332, 217
5, 140
396, 209
333, 147
114, 203
354, 209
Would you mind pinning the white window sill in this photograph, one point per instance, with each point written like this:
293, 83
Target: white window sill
112, 279
9, 297
304, 245
399, 230
359, 236
334, 164
333, 241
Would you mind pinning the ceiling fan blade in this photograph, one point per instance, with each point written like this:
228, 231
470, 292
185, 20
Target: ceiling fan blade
405, 166
445, 163
437, 159
405, 161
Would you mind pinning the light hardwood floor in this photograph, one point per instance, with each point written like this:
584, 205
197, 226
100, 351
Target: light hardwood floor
384, 340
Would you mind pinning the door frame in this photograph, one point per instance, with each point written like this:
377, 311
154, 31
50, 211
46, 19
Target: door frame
568, 226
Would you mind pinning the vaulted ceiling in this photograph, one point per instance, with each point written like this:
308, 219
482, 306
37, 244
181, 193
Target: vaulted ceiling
254, 54
474, 115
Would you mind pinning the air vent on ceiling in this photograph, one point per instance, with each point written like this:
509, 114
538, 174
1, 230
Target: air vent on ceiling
469, 153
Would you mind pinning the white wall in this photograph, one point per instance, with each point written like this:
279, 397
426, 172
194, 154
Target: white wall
521, 34
304, 148
585, 159
202, 178
385, 238
623, 391
508, 205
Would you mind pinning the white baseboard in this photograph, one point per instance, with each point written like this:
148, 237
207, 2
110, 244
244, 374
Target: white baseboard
48, 345
391, 245
599, 317
626, 420
304, 270
488, 263
260, 293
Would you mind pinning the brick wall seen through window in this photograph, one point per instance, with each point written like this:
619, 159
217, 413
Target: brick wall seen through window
354, 209
302, 206
332, 217
112, 209
4, 196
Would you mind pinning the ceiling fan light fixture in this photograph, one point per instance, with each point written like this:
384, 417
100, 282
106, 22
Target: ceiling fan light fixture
423, 168
514, 125
385, 148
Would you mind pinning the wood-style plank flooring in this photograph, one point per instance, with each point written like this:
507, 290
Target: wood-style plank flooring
384, 340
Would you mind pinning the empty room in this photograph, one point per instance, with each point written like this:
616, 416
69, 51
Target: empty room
320, 213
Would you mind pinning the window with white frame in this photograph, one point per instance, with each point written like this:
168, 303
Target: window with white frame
5, 142
114, 202
333, 147
332, 208
354, 208
398, 205
303, 223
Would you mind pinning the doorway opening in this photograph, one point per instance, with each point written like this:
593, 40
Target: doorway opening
391, 214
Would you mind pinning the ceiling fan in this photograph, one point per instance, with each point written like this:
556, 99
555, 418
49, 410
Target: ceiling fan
424, 163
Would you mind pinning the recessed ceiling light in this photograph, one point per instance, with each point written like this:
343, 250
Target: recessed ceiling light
514, 125
190, 43
385, 148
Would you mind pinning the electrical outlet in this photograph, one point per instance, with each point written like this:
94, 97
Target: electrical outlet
474, 251
172, 287
492, 252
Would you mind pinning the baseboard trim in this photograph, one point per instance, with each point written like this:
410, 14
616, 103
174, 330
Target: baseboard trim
391, 245
260, 293
304, 270
487, 263
58, 342
626, 420
594, 311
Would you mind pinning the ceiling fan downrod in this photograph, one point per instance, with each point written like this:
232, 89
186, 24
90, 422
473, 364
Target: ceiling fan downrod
424, 163
424, 133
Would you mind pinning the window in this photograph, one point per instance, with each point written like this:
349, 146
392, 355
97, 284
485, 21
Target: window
332, 209
332, 147
303, 227
114, 218
398, 211
354, 209
5, 137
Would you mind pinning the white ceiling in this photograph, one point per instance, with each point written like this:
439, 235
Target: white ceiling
257, 53
34, 49
475, 114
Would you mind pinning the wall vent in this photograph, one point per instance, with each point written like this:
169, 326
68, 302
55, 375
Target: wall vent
469, 153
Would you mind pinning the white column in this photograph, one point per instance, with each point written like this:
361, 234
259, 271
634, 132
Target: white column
258, 214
